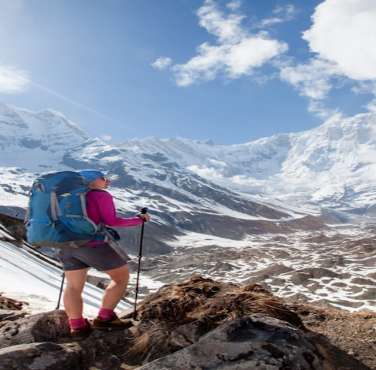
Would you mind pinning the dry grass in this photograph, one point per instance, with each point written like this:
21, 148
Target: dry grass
178, 315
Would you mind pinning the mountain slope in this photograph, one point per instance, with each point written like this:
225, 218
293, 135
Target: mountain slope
332, 165
34, 140
180, 200
191, 186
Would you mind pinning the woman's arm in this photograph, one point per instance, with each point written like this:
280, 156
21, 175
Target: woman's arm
108, 215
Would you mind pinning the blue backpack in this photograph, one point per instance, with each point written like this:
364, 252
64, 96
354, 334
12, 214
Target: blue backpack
57, 214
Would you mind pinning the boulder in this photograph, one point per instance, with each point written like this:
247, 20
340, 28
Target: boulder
35, 328
98, 351
253, 342
10, 315
39, 356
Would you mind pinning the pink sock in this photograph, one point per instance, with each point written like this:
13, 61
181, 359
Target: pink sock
106, 314
77, 323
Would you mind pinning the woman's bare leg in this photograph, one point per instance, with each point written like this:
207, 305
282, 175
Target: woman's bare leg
73, 292
116, 289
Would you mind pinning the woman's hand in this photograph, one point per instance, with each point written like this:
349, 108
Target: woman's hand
144, 216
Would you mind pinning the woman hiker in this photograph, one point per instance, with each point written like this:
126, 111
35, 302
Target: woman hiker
98, 254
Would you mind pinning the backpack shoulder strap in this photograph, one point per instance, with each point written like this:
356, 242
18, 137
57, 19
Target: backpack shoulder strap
55, 211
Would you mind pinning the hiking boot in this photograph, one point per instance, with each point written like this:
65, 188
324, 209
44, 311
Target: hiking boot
82, 333
113, 324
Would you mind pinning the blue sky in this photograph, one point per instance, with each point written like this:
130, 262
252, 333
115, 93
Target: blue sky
135, 68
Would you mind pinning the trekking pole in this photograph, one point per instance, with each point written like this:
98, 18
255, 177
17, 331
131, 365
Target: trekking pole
61, 291
143, 212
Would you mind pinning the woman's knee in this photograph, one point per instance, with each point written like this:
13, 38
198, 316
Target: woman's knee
73, 290
119, 275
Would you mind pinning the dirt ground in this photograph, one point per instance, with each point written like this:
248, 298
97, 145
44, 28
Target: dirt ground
352, 333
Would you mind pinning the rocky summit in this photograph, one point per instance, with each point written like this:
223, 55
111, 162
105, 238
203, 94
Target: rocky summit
196, 324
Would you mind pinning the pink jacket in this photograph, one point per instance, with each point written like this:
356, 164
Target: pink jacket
101, 209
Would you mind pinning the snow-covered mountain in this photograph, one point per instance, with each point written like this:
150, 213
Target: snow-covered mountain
181, 201
35, 140
229, 191
332, 165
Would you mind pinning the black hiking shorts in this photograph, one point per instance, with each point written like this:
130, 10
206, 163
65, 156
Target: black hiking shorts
101, 256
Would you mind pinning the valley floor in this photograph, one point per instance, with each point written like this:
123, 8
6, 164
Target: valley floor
336, 266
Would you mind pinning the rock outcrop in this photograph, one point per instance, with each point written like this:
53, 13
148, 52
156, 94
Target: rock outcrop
42, 327
252, 342
196, 324
14, 226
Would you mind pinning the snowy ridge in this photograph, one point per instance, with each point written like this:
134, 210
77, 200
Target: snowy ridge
332, 165
329, 167
179, 199
34, 140
31, 143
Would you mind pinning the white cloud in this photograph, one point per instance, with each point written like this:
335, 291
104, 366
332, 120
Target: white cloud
234, 4
237, 53
371, 106
13, 80
204, 66
250, 53
287, 11
106, 137
234, 60
162, 63
344, 32
280, 14
312, 79
364, 87
227, 27
342, 36
318, 108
